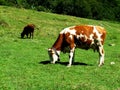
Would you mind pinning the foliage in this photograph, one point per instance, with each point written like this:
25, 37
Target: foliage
96, 9
24, 63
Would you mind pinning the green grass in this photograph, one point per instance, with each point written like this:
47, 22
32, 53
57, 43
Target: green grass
22, 61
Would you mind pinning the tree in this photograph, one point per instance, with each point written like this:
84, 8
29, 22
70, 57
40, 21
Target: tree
96, 9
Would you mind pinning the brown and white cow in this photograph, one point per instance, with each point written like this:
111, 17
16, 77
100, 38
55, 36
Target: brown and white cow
82, 36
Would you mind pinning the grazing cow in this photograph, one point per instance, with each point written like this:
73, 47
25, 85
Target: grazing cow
28, 30
82, 36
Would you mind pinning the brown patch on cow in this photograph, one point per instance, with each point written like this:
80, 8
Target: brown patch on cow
95, 35
67, 35
68, 38
103, 37
85, 30
70, 41
63, 42
58, 42
89, 42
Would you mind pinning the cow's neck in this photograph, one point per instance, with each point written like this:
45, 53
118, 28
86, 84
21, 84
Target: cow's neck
58, 44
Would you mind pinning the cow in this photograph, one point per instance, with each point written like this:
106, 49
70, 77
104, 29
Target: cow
79, 36
28, 30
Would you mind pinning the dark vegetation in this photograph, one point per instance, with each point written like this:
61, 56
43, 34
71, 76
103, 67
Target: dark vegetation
94, 9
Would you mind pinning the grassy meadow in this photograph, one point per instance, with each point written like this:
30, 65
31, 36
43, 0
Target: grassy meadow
24, 62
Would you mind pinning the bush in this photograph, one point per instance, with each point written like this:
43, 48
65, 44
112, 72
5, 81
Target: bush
42, 8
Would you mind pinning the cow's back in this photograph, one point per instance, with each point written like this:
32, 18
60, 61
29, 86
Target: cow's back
85, 36
90, 33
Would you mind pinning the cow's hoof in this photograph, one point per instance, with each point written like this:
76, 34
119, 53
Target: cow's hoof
68, 65
52, 62
100, 65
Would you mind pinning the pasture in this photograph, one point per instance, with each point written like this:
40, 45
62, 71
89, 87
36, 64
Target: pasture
24, 63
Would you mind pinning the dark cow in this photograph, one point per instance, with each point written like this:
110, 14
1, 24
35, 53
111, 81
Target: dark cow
28, 31
82, 36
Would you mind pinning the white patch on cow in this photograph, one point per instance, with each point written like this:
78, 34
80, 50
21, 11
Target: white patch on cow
71, 56
90, 25
68, 30
73, 32
82, 36
91, 38
58, 52
101, 62
71, 36
97, 33
62, 31
55, 58
86, 37
78, 36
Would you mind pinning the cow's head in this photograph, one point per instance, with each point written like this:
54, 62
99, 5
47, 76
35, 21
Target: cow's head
53, 55
22, 35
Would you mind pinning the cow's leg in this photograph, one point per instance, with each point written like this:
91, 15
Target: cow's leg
27, 35
32, 35
101, 55
71, 56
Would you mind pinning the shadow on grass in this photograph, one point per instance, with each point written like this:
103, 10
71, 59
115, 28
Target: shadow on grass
45, 62
65, 63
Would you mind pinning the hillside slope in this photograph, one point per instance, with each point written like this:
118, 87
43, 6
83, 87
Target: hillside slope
23, 62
